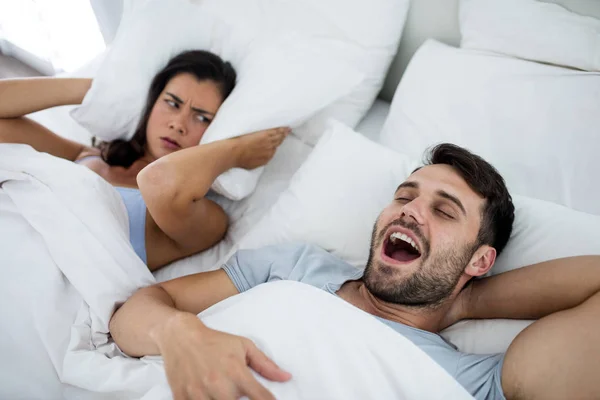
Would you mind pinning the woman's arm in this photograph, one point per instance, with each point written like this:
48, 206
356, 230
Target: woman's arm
23, 96
535, 291
19, 97
174, 186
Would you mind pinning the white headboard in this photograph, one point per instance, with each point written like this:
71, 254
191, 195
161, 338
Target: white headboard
437, 19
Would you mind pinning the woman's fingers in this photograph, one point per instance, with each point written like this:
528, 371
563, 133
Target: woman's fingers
258, 148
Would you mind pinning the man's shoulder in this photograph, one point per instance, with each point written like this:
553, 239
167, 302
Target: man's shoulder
289, 251
302, 262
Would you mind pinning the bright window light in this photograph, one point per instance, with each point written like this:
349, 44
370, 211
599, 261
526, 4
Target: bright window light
62, 32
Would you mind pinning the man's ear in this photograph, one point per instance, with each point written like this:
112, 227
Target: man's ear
482, 261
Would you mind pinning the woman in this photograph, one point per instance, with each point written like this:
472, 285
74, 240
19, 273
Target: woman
161, 174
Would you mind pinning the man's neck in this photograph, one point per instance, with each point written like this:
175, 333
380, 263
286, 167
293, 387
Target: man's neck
427, 319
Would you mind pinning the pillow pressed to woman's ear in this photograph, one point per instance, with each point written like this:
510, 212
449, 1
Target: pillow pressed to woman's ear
265, 97
334, 199
282, 81
364, 34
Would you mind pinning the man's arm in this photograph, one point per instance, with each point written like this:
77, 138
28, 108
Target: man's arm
139, 326
535, 291
199, 362
558, 356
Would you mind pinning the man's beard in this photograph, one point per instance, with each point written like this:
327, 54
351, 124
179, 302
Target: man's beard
430, 285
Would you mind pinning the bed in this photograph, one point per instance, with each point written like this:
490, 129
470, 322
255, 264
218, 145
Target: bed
44, 301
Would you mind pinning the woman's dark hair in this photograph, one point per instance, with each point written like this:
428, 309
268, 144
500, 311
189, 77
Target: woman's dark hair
498, 212
203, 65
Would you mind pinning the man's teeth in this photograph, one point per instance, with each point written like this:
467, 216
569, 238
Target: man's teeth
401, 236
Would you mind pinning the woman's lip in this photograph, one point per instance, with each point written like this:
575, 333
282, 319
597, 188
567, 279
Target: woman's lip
170, 144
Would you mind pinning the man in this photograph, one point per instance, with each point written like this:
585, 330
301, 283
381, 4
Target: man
446, 225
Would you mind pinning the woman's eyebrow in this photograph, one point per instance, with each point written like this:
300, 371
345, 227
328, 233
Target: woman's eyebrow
198, 110
177, 99
201, 111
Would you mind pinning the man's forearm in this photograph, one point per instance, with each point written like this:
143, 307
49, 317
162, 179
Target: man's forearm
137, 326
154, 314
535, 291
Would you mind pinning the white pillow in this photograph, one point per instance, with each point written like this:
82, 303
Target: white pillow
536, 123
531, 30
365, 34
281, 80
335, 197
280, 84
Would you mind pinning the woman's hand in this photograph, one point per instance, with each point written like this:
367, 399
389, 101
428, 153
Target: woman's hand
258, 148
202, 363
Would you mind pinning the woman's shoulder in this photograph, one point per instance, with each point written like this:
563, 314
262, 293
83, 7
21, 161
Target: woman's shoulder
90, 158
87, 152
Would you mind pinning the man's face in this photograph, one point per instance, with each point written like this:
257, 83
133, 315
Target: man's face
424, 239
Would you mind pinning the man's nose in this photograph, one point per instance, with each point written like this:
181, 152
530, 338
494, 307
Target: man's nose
412, 210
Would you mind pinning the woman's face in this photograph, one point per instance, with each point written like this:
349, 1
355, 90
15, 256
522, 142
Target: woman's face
181, 114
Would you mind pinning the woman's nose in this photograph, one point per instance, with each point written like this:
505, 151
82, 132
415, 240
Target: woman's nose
177, 126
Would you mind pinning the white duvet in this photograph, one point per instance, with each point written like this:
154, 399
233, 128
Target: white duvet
67, 262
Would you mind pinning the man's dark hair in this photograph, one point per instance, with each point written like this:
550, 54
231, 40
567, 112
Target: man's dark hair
498, 212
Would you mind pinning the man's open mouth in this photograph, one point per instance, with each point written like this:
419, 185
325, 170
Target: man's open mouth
400, 247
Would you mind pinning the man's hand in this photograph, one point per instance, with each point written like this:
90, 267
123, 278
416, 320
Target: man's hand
459, 308
202, 363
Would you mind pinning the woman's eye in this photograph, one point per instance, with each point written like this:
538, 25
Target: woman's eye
202, 118
171, 103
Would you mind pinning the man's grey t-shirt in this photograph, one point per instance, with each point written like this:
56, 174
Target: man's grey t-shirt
479, 374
